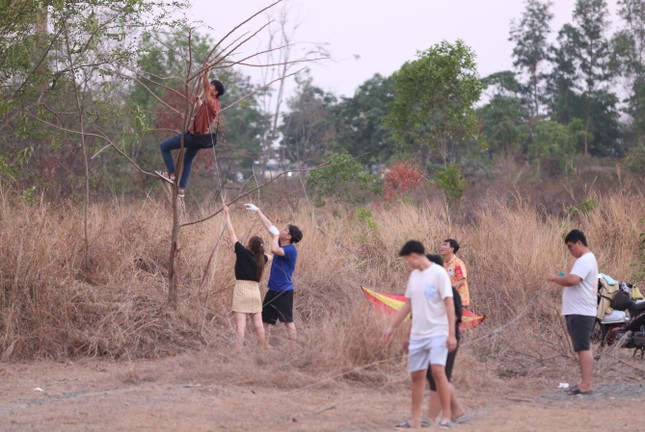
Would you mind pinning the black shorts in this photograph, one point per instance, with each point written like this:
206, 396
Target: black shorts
277, 305
450, 363
580, 328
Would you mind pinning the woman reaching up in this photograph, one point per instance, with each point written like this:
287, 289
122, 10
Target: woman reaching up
249, 265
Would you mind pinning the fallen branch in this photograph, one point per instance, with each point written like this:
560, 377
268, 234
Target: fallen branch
517, 399
625, 363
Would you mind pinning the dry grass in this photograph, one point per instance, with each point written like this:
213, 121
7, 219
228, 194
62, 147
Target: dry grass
59, 300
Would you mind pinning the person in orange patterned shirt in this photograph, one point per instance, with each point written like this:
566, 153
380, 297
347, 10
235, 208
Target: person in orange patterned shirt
456, 269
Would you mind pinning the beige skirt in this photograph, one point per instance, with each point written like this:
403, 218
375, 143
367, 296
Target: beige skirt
246, 297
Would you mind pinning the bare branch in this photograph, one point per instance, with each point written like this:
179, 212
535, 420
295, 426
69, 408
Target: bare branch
266, 51
161, 101
95, 135
240, 25
235, 41
268, 182
122, 153
159, 79
233, 30
264, 65
260, 89
225, 54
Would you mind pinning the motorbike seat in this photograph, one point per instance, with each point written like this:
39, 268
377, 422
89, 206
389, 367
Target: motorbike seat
636, 306
615, 317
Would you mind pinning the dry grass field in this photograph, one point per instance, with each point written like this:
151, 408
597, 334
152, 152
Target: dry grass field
90, 327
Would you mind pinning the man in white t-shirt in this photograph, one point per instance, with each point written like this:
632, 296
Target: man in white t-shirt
432, 335
579, 304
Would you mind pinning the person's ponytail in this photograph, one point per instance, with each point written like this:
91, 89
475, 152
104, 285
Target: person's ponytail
257, 249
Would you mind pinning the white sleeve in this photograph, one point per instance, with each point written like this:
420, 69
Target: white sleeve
582, 266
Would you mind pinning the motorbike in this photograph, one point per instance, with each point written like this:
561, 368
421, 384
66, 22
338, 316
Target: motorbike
624, 328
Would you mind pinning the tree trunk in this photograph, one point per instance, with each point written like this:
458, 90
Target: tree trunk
174, 238
174, 251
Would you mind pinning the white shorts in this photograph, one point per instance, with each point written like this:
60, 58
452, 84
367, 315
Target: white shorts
427, 351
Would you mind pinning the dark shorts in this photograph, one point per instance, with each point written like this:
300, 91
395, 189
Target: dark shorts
580, 328
450, 363
277, 305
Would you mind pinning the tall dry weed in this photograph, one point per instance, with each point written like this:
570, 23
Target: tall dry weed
60, 300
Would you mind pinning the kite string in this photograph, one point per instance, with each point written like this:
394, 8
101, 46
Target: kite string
219, 177
356, 369
464, 344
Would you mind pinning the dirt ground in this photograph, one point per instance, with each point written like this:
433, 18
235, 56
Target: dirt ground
177, 395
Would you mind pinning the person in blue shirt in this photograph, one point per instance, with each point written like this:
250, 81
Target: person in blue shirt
278, 301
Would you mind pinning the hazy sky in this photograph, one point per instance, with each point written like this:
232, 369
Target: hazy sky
365, 37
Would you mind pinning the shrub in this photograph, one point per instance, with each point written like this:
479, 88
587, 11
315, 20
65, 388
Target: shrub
401, 177
343, 179
451, 180
635, 159
583, 207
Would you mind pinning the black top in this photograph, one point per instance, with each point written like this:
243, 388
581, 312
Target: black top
245, 264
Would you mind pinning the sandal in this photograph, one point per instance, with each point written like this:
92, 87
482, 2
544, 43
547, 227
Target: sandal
445, 424
425, 423
464, 418
170, 178
575, 390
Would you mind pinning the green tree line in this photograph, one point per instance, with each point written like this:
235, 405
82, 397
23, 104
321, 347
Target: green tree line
576, 91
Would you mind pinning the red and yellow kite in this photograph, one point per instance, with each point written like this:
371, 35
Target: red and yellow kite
388, 304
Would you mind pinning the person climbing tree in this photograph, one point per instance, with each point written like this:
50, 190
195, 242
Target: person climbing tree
197, 136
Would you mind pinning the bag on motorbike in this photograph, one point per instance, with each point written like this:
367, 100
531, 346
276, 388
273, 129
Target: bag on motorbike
621, 299
636, 293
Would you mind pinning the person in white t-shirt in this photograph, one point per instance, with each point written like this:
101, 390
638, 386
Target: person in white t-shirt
579, 304
432, 335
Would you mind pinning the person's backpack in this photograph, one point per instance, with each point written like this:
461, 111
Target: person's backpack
621, 299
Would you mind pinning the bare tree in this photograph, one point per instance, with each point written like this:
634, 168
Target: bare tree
224, 54
280, 64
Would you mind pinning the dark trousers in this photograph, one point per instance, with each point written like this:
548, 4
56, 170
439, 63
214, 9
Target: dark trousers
174, 143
